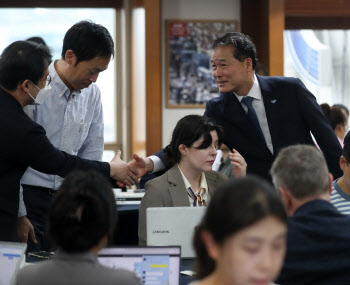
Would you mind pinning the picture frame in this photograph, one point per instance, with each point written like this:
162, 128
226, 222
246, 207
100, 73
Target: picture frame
189, 81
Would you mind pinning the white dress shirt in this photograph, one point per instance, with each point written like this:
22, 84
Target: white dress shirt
203, 184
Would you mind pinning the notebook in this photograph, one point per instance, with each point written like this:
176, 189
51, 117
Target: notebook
153, 265
173, 226
12, 257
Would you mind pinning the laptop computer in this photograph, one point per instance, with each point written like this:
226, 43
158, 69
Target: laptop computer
173, 226
153, 265
12, 257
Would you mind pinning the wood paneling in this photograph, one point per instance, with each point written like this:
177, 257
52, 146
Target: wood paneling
276, 28
263, 21
317, 23
321, 14
254, 23
317, 8
153, 77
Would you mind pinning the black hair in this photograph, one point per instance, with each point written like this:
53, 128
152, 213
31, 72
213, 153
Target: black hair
346, 147
334, 115
83, 212
243, 46
88, 40
188, 130
23, 60
342, 107
38, 40
235, 206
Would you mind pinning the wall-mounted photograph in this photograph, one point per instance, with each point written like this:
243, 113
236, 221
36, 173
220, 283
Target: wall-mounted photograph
189, 82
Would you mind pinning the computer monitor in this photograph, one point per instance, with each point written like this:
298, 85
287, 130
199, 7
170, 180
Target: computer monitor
12, 256
153, 265
173, 226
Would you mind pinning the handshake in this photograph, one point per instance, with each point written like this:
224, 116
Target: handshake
129, 173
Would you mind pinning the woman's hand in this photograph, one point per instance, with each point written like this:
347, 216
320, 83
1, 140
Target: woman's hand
239, 164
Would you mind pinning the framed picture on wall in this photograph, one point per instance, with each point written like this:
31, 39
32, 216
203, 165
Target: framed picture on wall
189, 82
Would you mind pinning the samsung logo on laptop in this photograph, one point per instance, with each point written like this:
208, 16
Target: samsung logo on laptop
160, 232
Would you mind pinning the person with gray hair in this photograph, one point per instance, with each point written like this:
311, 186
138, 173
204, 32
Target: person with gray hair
318, 239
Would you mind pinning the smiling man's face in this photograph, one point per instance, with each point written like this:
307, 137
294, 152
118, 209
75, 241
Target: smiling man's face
230, 74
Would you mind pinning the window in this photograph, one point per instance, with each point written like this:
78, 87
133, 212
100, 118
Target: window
51, 24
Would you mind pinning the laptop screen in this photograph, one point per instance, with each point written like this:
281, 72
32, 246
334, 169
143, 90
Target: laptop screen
11, 258
153, 265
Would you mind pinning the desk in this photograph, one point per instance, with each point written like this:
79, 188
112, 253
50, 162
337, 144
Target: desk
186, 264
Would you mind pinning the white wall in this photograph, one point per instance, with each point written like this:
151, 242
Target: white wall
190, 10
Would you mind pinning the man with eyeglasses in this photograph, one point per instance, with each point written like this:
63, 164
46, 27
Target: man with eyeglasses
72, 117
23, 76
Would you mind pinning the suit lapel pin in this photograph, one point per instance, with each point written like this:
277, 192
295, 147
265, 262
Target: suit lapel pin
273, 101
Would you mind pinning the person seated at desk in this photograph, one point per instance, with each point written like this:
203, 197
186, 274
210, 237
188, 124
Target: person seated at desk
318, 239
82, 217
242, 237
190, 181
337, 119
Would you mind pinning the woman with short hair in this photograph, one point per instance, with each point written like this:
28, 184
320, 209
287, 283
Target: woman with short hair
82, 217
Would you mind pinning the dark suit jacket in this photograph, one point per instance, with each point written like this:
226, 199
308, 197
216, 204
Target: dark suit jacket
318, 246
291, 111
169, 190
24, 143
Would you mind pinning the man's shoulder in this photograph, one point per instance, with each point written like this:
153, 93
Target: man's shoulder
17, 123
91, 95
156, 184
217, 102
218, 99
274, 81
321, 216
278, 79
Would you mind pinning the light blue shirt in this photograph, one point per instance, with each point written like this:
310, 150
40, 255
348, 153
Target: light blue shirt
73, 124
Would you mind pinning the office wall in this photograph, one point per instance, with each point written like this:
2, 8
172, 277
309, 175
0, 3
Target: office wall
190, 10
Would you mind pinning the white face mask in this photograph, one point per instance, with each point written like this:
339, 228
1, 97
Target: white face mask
41, 96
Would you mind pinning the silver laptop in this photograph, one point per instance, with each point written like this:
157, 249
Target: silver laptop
173, 226
12, 257
153, 265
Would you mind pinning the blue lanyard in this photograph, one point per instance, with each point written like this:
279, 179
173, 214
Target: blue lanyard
192, 195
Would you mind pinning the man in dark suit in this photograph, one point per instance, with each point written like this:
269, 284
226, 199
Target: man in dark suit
318, 239
282, 111
260, 115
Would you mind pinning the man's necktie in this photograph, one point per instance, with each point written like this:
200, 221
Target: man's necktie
252, 114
